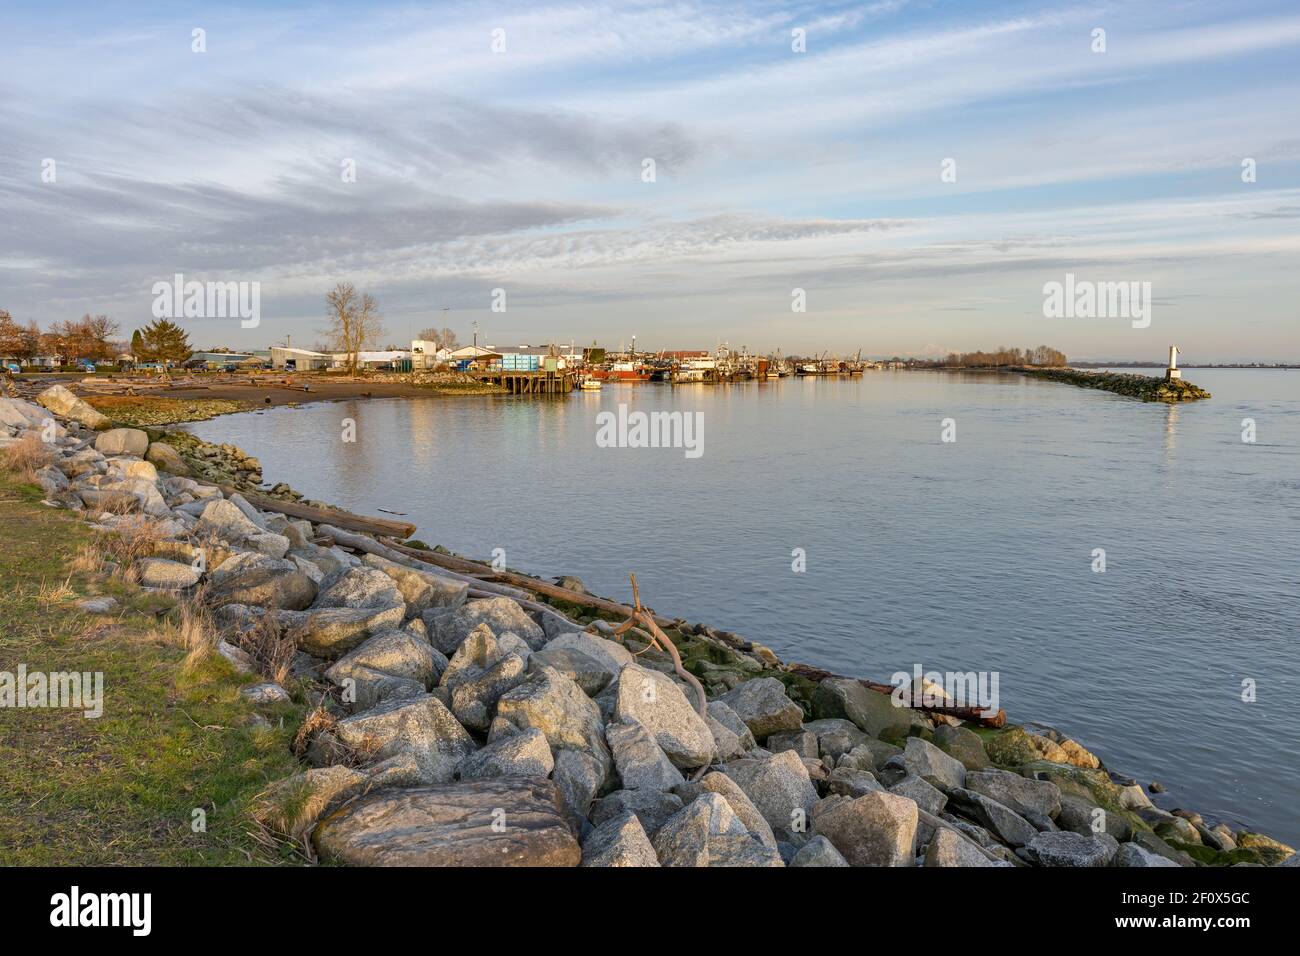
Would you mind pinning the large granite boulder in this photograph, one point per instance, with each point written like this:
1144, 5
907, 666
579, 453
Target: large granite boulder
556, 706
505, 821
358, 588
619, 841
421, 590
948, 849
259, 580
396, 653
333, 631
932, 765
658, 704
1007, 825
1038, 801
449, 628
652, 807
122, 441
523, 754
639, 760
60, 400
1063, 848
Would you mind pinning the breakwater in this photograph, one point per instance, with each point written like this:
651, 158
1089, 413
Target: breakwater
1144, 387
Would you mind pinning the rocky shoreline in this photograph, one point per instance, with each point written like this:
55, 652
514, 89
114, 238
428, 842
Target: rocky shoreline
465, 722
1144, 387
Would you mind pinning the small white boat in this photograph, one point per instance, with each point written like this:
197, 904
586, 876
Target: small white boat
589, 384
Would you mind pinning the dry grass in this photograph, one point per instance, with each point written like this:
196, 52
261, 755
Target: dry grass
135, 537
88, 560
26, 457
319, 721
196, 632
269, 648
55, 594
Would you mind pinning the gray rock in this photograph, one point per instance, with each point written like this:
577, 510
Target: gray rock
579, 776
447, 629
612, 655
1007, 825
98, 605
1038, 801
505, 821
948, 849
523, 754
658, 704
802, 742
836, 736
474, 696
872, 711
165, 575
265, 693
871, 755
963, 744
396, 653
933, 765
332, 632
358, 588
420, 590
850, 782
556, 706
730, 734
927, 797
652, 807
256, 579
708, 833
1133, 855
239, 659
588, 673
779, 787
619, 841
222, 519
764, 707
877, 829
421, 727
364, 687
122, 441
741, 805
1062, 848
818, 851
638, 758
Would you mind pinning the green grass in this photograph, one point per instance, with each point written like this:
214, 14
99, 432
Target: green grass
121, 789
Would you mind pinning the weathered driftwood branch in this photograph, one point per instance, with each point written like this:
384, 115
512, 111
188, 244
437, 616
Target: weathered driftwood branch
975, 714
319, 514
465, 566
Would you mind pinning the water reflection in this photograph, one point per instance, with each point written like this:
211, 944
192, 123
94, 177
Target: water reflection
1171, 432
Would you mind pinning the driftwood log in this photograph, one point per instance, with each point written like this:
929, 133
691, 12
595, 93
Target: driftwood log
974, 714
319, 514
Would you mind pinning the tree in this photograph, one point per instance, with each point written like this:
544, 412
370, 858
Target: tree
163, 341
354, 321
10, 335
137, 344
444, 338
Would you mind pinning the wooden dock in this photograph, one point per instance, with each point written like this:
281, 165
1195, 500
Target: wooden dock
529, 383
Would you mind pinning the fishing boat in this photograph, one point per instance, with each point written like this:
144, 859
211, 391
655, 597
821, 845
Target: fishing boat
622, 372
589, 384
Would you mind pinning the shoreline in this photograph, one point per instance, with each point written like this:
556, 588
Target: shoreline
725, 664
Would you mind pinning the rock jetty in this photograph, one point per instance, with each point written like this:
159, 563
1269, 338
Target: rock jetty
463, 722
1144, 387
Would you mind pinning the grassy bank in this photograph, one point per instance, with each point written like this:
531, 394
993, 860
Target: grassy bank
174, 737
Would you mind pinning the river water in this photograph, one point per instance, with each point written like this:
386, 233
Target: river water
970, 555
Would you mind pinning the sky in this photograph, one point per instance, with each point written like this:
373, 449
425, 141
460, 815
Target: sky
919, 170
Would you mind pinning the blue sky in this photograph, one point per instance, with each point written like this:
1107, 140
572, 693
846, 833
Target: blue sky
775, 170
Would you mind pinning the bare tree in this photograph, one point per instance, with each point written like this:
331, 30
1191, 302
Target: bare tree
444, 338
354, 321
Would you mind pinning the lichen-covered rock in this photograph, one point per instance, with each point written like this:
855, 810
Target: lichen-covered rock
421, 727
741, 805
223, 520
764, 707
1132, 855
731, 737
358, 588
256, 579
505, 821
658, 704
1011, 747
872, 711
584, 670
877, 829
420, 590
619, 841
556, 706
579, 776
963, 744
927, 797
449, 628
397, 653
265, 693
611, 655
836, 736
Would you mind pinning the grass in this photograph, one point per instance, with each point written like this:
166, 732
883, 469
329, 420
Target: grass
174, 737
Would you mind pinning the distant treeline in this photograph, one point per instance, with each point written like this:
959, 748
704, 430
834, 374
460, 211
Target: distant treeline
1040, 355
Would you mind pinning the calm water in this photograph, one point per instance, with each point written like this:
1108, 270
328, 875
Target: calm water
973, 555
